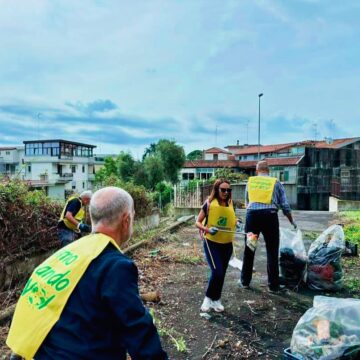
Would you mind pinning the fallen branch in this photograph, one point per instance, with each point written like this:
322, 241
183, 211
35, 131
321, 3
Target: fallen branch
6, 314
209, 349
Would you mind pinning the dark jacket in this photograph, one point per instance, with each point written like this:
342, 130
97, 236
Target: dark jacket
104, 317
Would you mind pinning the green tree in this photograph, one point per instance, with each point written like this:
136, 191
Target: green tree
151, 150
229, 174
126, 166
154, 170
109, 168
173, 158
194, 155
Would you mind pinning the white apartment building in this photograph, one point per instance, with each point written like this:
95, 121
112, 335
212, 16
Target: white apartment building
60, 167
10, 160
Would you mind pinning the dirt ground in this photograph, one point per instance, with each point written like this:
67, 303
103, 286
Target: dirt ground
255, 324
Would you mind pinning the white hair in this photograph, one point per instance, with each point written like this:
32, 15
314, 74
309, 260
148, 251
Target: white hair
87, 194
108, 203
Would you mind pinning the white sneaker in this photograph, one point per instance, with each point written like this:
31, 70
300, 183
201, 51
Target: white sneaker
217, 306
206, 305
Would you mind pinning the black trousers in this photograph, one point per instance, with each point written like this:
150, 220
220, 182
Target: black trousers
265, 222
220, 254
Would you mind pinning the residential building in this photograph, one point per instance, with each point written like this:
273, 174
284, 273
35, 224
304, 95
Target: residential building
311, 171
60, 167
10, 161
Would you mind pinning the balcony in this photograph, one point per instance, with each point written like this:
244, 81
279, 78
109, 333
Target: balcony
66, 176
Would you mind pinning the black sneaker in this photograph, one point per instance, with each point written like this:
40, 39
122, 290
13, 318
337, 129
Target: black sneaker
242, 286
277, 290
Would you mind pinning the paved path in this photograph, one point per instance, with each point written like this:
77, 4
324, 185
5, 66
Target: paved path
306, 220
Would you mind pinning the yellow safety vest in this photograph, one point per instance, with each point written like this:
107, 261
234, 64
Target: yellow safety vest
48, 290
222, 217
79, 216
261, 189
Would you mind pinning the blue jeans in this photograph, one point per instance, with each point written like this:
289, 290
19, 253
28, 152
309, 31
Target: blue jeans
267, 223
221, 254
66, 236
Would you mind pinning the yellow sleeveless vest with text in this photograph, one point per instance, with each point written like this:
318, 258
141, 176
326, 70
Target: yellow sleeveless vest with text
222, 217
79, 216
48, 290
261, 189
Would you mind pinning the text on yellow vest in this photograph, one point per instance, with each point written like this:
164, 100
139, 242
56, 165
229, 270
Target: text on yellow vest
261, 189
222, 217
79, 216
48, 290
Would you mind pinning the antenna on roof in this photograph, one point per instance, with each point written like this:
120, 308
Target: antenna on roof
329, 140
315, 131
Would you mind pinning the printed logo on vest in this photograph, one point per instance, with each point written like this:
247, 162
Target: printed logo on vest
222, 221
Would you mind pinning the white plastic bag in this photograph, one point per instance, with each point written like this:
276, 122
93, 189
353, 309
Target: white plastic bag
292, 256
324, 265
329, 330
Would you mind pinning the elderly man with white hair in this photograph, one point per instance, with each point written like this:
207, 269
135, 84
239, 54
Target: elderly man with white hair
72, 219
83, 302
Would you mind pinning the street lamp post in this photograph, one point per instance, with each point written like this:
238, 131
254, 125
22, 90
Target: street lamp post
260, 95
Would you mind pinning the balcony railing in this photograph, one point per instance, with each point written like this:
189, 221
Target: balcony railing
66, 176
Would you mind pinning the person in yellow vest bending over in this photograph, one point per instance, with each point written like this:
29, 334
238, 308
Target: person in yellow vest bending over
83, 302
217, 223
264, 195
72, 220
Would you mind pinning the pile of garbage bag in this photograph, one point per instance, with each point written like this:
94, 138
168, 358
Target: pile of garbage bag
324, 260
292, 256
329, 330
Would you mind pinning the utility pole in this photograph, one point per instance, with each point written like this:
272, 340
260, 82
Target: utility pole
260, 95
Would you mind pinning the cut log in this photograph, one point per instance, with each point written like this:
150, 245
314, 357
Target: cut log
151, 296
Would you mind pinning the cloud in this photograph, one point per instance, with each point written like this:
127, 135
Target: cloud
97, 121
95, 106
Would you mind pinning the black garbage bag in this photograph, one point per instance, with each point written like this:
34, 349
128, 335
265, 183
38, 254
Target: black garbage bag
324, 265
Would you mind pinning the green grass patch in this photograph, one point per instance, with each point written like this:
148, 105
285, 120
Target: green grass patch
310, 235
352, 226
190, 259
176, 338
352, 284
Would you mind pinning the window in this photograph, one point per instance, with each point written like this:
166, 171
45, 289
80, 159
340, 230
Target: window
216, 157
83, 168
8, 153
29, 168
83, 184
73, 169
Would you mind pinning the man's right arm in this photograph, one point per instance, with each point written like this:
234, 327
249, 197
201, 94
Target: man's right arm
283, 202
120, 292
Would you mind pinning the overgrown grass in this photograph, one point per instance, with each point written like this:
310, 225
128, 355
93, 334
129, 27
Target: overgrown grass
352, 283
176, 338
351, 220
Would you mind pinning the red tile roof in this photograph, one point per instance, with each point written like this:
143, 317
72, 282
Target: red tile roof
263, 149
336, 143
216, 150
210, 163
7, 148
286, 161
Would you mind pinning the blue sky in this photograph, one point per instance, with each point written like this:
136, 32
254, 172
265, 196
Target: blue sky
123, 74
